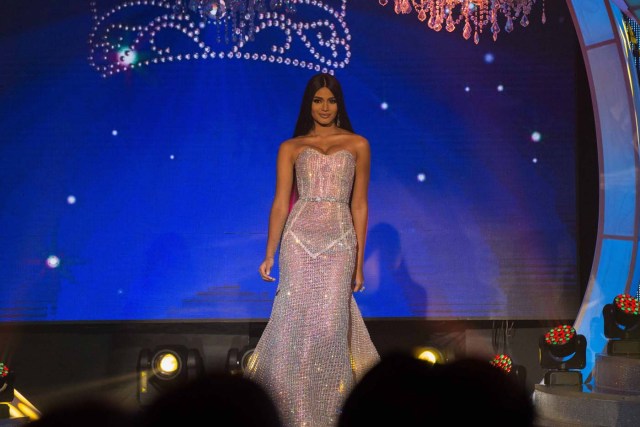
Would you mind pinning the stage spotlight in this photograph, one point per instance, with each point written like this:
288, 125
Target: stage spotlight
238, 360
166, 367
246, 359
6, 390
561, 350
503, 362
622, 317
429, 354
517, 372
622, 326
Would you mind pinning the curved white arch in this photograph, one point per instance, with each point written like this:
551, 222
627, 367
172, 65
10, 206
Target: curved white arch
613, 83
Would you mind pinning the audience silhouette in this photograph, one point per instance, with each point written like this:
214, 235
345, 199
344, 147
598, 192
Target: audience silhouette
90, 411
212, 399
402, 390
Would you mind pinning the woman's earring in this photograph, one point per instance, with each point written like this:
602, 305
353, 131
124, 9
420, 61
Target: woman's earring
338, 121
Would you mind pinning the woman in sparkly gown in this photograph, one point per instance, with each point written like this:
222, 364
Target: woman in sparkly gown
316, 346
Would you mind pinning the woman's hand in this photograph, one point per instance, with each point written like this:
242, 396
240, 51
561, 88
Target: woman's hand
265, 270
358, 281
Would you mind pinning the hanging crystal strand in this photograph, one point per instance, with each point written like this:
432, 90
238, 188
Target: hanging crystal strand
495, 28
432, 21
221, 9
477, 21
249, 19
508, 27
241, 24
461, 16
483, 19
406, 7
419, 8
476, 13
193, 5
290, 6
213, 8
226, 29
466, 32
430, 6
231, 20
397, 7
441, 8
464, 12
440, 16
422, 15
450, 25
526, 10
241, 20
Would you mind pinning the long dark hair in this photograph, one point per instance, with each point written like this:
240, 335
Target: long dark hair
304, 125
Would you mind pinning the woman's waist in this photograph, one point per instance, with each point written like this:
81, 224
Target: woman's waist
324, 198
318, 218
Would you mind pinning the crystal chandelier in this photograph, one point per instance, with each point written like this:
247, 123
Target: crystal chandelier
129, 34
238, 14
476, 14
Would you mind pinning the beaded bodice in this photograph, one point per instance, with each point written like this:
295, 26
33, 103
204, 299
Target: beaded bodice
321, 218
325, 177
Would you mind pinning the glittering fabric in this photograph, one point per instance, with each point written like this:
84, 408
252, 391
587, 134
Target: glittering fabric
315, 345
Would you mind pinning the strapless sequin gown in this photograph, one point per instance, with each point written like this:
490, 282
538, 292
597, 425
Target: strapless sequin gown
315, 346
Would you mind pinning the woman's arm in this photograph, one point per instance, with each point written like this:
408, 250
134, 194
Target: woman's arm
279, 207
360, 207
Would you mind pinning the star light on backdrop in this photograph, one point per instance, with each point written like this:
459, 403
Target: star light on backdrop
311, 34
476, 14
56, 267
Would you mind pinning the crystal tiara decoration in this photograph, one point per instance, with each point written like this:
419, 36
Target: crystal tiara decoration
310, 34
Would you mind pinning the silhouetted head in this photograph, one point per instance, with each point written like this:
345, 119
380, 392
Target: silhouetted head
393, 392
91, 411
221, 398
402, 390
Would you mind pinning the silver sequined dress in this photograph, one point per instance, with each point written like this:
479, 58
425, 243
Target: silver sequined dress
315, 345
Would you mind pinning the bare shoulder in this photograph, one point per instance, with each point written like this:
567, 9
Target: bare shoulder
288, 148
288, 144
360, 141
360, 144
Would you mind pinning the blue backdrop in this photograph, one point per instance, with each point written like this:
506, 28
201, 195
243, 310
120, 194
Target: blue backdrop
142, 192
